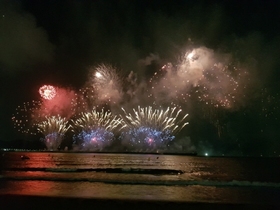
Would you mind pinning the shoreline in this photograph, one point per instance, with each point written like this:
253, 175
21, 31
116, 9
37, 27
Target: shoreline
104, 152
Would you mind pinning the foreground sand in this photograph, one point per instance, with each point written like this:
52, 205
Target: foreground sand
66, 203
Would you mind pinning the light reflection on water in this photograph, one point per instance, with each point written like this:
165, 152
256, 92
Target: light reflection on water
194, 193
194, 168
232, 180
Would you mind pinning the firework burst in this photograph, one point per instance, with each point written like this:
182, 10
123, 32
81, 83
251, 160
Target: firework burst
54, 129
95, 129
203, 76
159, 119
85, 100
151, 130
47, 92
105, 85
26, 117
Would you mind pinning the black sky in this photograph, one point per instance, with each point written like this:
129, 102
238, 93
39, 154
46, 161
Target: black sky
50, 41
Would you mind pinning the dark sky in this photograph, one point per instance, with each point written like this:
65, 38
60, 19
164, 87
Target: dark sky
50, 41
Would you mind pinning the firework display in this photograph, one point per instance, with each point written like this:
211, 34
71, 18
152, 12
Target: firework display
53, 129
29, 114
206, 84
95, 129
149, 129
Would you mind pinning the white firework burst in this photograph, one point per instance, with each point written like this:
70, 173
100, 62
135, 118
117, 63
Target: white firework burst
54, 129
106, 84
159, 119
97, 119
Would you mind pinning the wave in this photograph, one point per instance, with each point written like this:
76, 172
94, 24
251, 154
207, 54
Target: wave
233, 183
105, 170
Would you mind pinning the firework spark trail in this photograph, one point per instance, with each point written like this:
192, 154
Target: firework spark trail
94, 119
149, 129
158, 119
26, 117
53, 124
95, 129
85, 100
54, 129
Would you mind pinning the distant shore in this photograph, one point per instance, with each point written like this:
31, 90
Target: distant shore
103, 152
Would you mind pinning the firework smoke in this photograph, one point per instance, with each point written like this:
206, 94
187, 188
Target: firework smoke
104, 87
54, 129
135, 91
63, 104
201, 75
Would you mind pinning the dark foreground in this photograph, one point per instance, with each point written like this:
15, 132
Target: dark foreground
43, 202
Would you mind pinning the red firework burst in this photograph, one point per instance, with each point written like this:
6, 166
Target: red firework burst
47, 92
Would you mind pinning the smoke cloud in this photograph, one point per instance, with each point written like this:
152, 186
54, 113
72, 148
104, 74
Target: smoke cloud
63, 104
23, 43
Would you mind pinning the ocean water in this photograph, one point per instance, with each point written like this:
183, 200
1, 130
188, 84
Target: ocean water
176, 178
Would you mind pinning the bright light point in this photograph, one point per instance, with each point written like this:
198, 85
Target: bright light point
206, 154
190, 56
97, 74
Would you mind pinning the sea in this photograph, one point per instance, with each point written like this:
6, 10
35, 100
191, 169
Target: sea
147, 177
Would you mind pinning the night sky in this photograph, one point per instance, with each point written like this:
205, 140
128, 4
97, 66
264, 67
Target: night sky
56, 42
